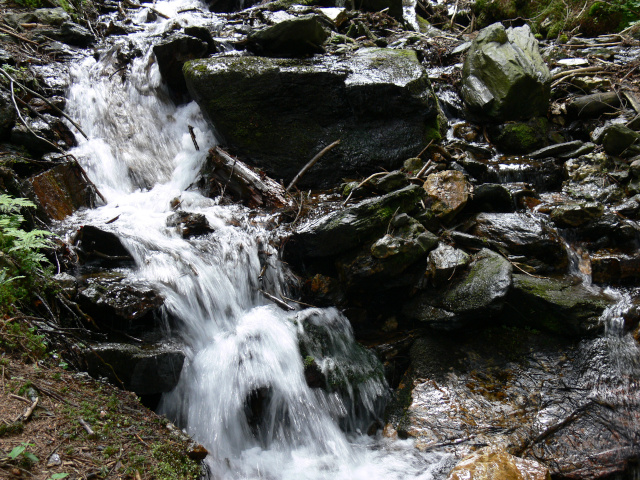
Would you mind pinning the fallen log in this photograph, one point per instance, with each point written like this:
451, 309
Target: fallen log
225, 175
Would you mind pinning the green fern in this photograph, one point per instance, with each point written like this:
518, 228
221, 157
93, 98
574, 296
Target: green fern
24, 269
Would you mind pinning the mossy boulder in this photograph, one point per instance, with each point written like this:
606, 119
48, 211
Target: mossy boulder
278, 113
290, 38
618, 139
351, 227
504, 77
520, 137
475, 295
562, 306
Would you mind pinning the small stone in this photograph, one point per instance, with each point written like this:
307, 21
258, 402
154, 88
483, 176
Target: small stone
54, 460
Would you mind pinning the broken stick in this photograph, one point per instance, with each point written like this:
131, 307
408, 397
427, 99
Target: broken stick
311, 163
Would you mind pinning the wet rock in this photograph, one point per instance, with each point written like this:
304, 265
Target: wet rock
291, 38
576, 214
493, 197
564, 150
504, 76
346, 229
388, 257
634, 168
51, 130
74, 34
518, 137
589, 106
172, 53
117, 303
279, 113
7, 115
618, 139
616, 268
473, 296
522, 234
147, 370
447, 193
563, 306
389, 182
493, 463
189, 224
100, 246
608, 231
62, 190
444, 262
51, 16
228, 6
504, 388
629, 208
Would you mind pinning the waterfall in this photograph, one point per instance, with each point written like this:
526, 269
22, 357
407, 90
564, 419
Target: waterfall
242, 392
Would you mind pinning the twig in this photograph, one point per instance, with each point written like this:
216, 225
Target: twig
425, 148
15, 105
29, 411
118, 70
280, 303
568, 77
311, 163
18, 397
24, 39
424, 169
193, 137
370, 177
27, 89
86, 426
575, 72
299, 302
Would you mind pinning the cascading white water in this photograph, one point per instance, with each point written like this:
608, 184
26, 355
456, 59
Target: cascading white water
240, 349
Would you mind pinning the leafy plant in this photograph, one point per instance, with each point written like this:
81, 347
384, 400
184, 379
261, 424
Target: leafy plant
58, 476
23, 266
21, 453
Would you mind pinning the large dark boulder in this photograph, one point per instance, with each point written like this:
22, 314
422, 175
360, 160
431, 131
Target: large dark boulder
351, 227
279, 113
171, 55
473, 296
504, 77
147, 370
290, 38
525, 237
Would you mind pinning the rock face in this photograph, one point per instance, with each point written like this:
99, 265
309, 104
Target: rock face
278, 113
501, 387
346, 229
290, 38
504, 76
152, 370
476, 295
62, 190
492, 463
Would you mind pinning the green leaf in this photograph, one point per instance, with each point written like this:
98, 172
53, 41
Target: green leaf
58, 476
31, 457
16, 451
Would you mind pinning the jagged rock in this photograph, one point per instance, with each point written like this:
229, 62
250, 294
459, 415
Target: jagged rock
447, 193
74, 34
47, 127
475, 295
559, 306
614, 267
279, 113
576, 214
102, 247
388, 256
389, 182
171, 55
564, 150
62, 190
521, 234
493, 197
147, 370
189, 224
7, 115
444, 261
501, 387
588, 106
504, 76
519, 137
113, 301
634, 168
617, 139
290, 38
493, 463
349, 228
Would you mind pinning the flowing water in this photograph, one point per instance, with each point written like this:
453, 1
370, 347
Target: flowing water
242, 392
